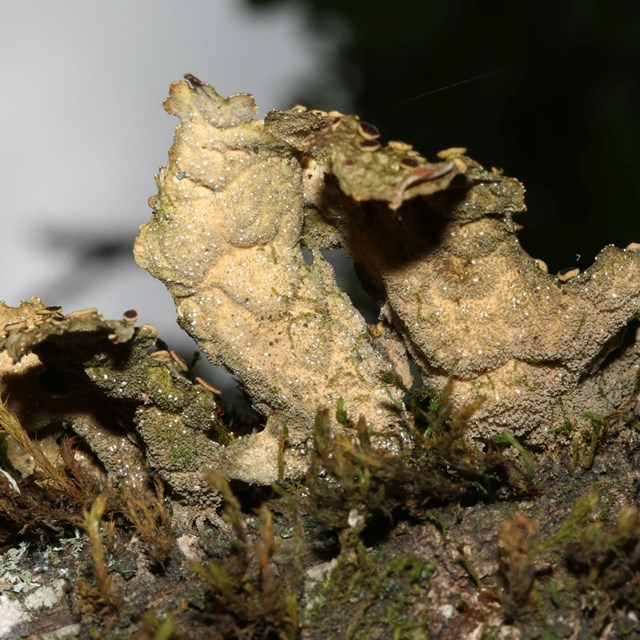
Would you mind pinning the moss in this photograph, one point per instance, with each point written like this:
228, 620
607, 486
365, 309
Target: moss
606, 565
549, 572
103, 594
596, 572
518, 544
587, 440
352, 482
378, 596
243, 596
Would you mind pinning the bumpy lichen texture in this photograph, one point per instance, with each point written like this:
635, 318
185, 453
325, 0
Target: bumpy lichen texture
240, 198
225, 238
473, 307
100, 377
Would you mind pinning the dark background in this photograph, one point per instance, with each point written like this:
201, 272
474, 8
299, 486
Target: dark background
555, 101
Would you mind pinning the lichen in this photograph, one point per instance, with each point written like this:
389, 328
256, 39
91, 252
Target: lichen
130, 402
410, 489
473, 307
240, 199
225, 238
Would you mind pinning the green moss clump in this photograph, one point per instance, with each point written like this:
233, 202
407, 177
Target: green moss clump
352, 481
243, 596
585, 566
606, 564
376, 597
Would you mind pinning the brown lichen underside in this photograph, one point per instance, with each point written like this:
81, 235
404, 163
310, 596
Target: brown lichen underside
238, 200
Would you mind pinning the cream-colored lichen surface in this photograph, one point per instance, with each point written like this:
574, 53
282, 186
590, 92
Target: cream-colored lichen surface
225, 238
475, 309
240, 199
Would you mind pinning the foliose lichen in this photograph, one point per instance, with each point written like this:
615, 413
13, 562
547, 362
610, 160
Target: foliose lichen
106, 381
240, 199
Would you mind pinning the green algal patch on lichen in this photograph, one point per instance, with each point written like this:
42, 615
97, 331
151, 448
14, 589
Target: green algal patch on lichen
156, 379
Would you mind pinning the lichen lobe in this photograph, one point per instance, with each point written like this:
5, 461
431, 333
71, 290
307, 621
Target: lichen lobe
225, 238
240, 199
